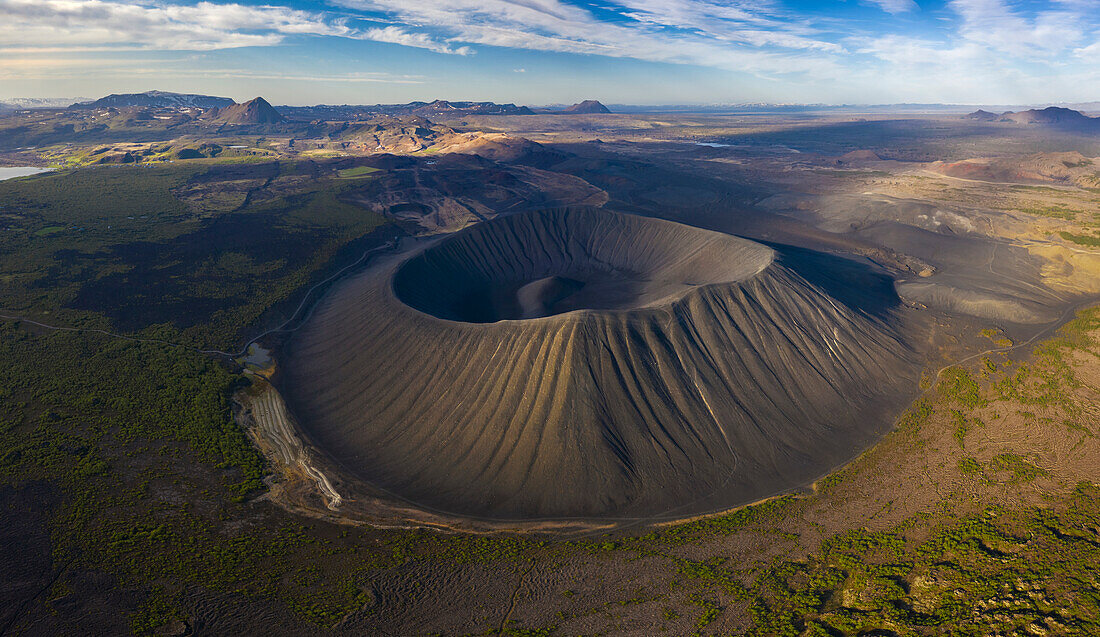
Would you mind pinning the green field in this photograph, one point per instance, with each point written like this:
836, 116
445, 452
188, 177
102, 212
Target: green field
358, 171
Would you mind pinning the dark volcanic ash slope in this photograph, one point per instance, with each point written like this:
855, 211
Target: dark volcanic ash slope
581, 363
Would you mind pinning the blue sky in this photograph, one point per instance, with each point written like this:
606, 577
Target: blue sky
557, 51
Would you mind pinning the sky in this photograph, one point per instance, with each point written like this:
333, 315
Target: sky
558, 51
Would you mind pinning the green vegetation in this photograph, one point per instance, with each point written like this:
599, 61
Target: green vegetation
970, 466
138, 438
53, 217
991, 573
140, 441
1056, 211
66, 156
709, 613
204, 247
1050, 379
1043, 189
1053, 211
916, 416
48, 230
959, 386
1020, 468
721, 524
1081, 239
358, 171
962, 426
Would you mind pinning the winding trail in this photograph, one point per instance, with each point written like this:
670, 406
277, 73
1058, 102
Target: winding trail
512, 601
1060, 322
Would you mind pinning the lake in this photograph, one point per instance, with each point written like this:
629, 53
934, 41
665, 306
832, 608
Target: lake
10, 172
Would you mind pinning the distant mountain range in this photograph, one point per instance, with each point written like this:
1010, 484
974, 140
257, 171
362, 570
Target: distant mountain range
1054, 116
443, 107
166, 99
39, 102
902, 108
423, 109
1061, 115
157, 99
437, 108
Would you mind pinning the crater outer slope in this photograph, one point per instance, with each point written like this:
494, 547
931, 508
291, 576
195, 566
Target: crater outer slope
667, 371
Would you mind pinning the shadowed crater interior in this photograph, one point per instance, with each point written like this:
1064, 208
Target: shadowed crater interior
702, 371
539, 265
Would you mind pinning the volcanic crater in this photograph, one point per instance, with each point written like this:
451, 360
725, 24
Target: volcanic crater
586, 364
541, 265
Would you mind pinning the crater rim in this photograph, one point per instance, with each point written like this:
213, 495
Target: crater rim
578, 284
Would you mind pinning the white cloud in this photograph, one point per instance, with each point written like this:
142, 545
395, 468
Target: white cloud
96, 22
397, 35
1090, 53
759, 24
995, 24
748, 37
1006, 60
66, 68
991, 51
895, 6
116, 24
974, 44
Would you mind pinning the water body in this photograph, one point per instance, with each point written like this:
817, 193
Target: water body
785, 149
11, 172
